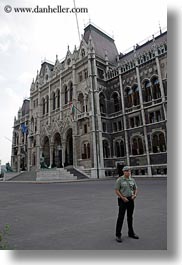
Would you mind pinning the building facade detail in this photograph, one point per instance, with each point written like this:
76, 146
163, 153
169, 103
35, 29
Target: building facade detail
96, 109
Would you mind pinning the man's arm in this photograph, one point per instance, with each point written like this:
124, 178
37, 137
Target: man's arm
135, 194
118, 193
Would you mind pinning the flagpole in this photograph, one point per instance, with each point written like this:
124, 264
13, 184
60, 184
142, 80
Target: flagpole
76, 107
7, 139
77, 21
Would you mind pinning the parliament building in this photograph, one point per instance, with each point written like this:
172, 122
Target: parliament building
97, 109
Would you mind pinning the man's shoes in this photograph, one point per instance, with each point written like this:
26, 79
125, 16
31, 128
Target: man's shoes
118, 239
133, 236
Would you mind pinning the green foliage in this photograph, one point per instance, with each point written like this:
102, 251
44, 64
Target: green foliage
3, 235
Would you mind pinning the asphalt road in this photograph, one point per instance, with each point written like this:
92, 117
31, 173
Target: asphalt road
81, 215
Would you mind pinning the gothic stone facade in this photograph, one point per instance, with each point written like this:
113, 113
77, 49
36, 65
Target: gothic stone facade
97, 109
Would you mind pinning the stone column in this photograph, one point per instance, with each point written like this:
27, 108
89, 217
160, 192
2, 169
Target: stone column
161, 86
160, 77
143, 118
74, 126
92, 115
124, 118
38, 132
30, 131
51, 148
28, 153
97, 149
19, 149
63, 152
60, 100
98, 115
49, 112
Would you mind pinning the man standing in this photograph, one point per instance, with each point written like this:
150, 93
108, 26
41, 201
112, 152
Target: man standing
126, 190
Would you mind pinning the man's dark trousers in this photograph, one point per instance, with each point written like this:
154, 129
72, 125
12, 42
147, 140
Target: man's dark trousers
123, 206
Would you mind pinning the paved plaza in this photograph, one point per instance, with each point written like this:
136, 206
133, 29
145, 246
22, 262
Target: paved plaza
81, 215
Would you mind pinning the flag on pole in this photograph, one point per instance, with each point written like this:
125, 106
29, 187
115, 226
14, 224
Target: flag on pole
24, 128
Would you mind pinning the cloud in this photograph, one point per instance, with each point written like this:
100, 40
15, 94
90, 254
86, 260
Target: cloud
25, 78
4, 30
2, 78
10, 100
4, 46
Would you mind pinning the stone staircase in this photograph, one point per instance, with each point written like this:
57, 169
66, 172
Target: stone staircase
25, 176
77, 173
54, 174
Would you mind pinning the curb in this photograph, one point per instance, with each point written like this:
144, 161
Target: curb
82, 180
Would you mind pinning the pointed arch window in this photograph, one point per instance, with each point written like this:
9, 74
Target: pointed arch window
83, 52
53, 101
86, 151
81, 106
102, 102
129, 101
158, 142
122, 148
147, 91
116, 102
71, 92
66, 95
47, 104
117, 149
106, 149
43, 106
156, 88
58, 98
137, 146
136, 99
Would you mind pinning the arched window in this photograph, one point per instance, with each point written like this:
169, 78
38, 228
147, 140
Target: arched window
81, 102
83, 52
47, 104
43, 106
122, 148
137, 146
140, 146
136, 99
106, 149
128, 94
35, 126
58, 98
85, 150
53, 101
88, 150
117, 149
165, 87
102, 102
158, 142
66, 95
156, 88
155, 143
71, 92
116, 102
147, 91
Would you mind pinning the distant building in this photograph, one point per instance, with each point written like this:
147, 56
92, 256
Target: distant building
19, 156
97, 109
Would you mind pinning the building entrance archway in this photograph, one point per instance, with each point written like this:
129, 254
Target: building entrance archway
57, 151
46, 151
69, 148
